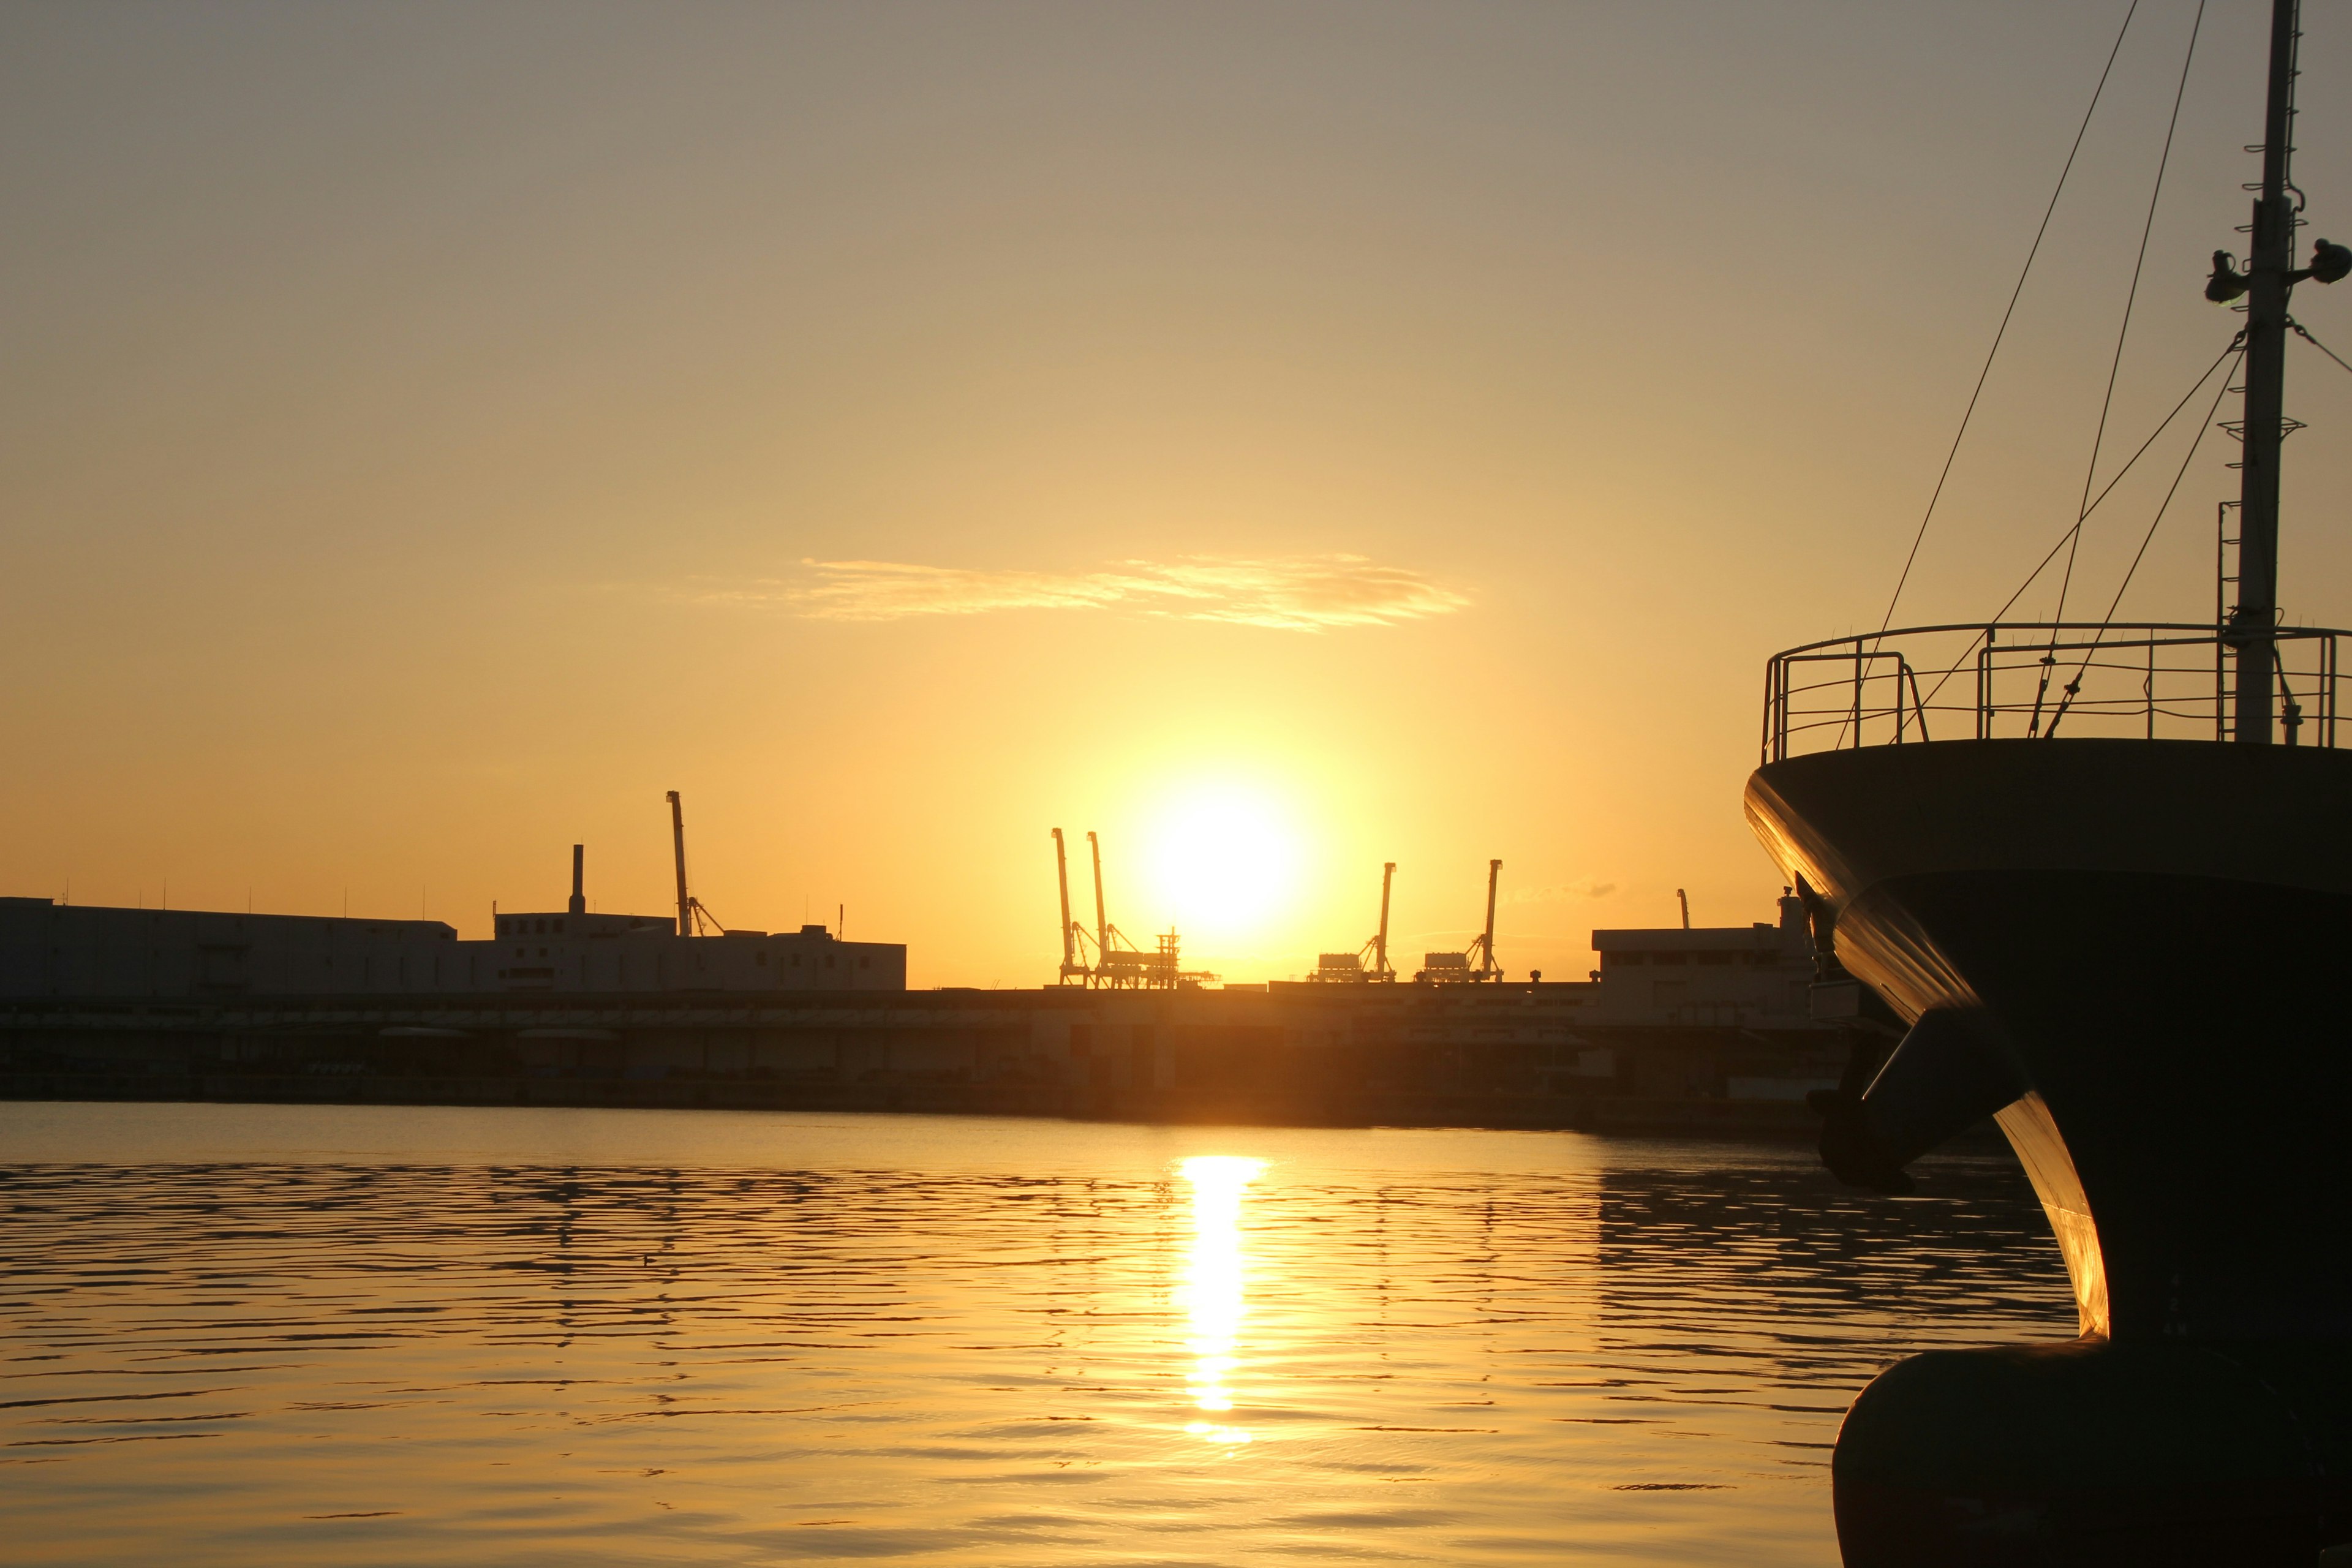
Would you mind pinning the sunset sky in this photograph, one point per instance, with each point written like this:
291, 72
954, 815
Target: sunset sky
1282, 437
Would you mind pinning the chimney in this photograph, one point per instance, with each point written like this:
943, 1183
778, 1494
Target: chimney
579, 879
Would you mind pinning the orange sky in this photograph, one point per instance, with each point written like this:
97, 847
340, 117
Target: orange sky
1352, 432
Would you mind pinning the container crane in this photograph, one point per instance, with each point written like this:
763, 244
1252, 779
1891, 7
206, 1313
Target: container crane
1071, 967
692, 917
1458, 966
1349, 966
1117, 962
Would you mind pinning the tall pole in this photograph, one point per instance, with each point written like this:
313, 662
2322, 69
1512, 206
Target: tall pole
2267, 268
1102, 925
1062, 877
1494, 874
678, 849
1381, 969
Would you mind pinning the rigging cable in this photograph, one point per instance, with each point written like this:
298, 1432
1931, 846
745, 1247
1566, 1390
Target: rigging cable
2131, 298
2298, 329
2235, 343
2034, 575
2075, 687
1969, 413
2114, 367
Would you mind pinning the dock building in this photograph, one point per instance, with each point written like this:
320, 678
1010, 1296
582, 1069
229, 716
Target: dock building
1757, 976
52, 950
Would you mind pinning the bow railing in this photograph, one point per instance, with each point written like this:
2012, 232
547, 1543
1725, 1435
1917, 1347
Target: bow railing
2152, 680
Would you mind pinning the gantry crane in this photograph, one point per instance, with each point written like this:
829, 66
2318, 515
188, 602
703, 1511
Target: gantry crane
1118, 964
1071, 968
1457, 966
1349, 966
692, 917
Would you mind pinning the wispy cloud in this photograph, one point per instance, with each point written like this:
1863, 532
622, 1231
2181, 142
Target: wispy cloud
1303, 594
1558, 892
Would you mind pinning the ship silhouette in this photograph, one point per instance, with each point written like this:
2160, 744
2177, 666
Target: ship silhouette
2100, 874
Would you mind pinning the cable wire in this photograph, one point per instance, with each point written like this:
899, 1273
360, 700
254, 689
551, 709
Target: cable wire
2167, 423
2025, 272
2131, 298
2301, 331
2074, 685
2034, 575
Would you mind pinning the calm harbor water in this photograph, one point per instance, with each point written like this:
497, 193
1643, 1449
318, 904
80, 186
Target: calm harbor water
378, 1335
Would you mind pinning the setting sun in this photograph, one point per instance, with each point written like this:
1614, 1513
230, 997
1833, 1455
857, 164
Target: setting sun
1225, 862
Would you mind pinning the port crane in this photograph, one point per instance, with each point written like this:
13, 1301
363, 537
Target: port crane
1117, 962
1458, 966
1345, 967
693, 919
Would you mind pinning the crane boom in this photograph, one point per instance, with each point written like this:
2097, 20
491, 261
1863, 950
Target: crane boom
1486, 969
1381, 969
1102, 922
677, 850
1062, 877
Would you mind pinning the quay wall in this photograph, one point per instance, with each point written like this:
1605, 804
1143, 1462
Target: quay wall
1502, 1055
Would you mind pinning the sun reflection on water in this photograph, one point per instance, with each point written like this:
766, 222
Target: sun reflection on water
1211, 1292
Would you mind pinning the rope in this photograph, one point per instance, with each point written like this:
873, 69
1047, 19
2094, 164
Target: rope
1936, 495
2131, 298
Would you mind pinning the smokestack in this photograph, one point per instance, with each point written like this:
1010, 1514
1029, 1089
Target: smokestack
579, 879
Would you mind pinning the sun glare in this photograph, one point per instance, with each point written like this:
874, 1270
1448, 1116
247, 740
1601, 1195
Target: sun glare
1211, 1292
1224, 866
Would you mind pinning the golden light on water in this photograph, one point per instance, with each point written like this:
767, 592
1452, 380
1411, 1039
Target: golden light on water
1213, 1290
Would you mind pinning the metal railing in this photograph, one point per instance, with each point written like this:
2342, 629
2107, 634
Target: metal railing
2150, 679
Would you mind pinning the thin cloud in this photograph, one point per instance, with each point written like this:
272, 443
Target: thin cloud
1302, 594
1558, 892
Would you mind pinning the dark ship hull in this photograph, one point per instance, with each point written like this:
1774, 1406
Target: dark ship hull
2147, 983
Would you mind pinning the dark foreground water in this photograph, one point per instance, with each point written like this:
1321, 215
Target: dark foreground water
276, 1334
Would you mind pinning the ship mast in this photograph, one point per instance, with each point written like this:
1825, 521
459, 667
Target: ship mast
2269, 276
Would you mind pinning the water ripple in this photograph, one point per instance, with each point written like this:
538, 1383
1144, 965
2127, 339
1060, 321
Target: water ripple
704, 1339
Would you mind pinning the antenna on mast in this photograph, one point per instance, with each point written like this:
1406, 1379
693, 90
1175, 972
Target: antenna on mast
2270, 276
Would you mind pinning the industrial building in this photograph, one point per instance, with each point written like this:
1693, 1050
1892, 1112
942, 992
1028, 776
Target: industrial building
1757, 976
50, 950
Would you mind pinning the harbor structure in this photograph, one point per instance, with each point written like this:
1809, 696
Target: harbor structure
1513, 1054
1350, 968
325, 1009
1760, 974
1476, 962
49, 950
1110, 959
